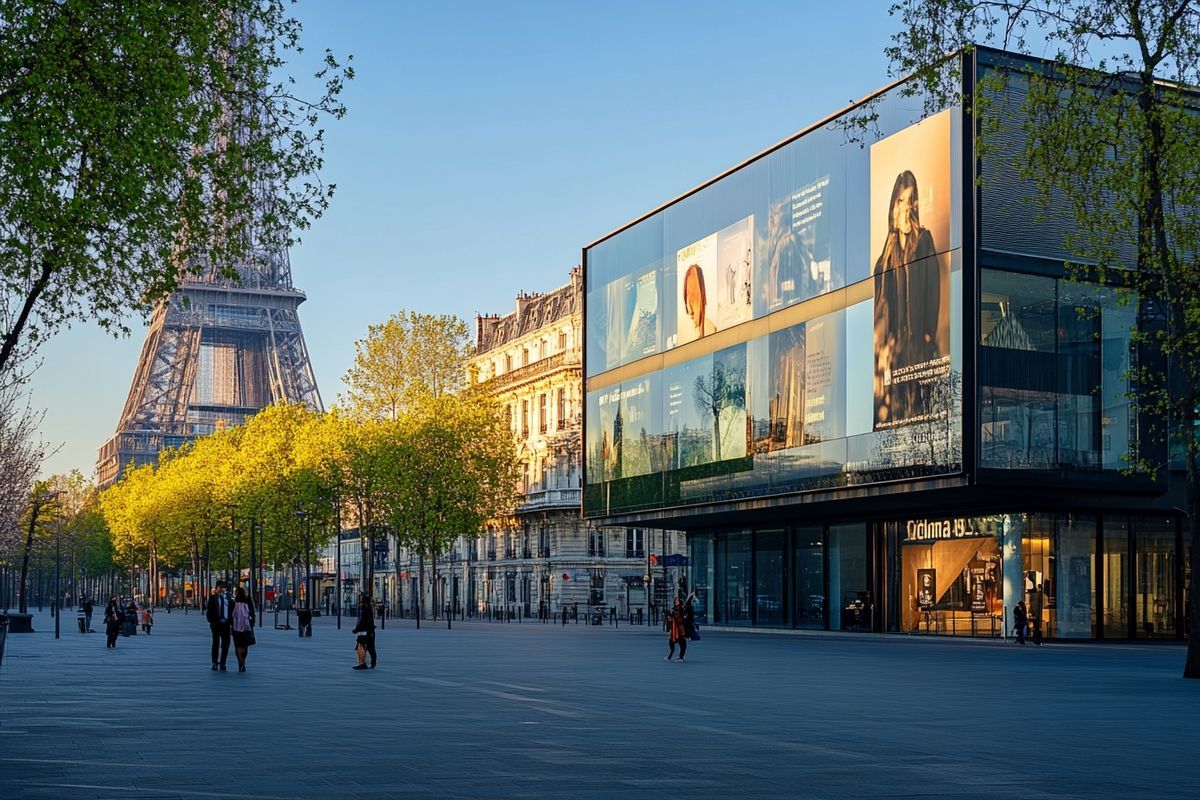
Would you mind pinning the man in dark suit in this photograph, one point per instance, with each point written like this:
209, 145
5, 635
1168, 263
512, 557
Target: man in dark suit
220, 620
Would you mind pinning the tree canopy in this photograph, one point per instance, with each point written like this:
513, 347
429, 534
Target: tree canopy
405, 361
145, 141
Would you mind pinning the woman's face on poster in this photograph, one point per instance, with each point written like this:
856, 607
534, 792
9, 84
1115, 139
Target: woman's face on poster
691, 300
904, 211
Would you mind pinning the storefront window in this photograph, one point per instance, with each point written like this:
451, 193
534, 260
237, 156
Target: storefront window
770, 596
1154, 543
850, 599
810, 577
950, 576
700, 549
1116, 586
1075, 577
734, 569
1038, 562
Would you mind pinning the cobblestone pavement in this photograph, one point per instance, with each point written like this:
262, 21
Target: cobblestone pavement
539, 711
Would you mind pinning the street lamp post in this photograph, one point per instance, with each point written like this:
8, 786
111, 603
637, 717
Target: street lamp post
57, 577
337, 591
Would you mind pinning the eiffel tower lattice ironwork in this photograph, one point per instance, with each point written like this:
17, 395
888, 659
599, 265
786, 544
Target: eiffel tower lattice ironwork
217, 351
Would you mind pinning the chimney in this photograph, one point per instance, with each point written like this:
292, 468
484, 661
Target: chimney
523, 301
485, 326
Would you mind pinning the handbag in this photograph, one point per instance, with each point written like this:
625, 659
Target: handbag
251, 640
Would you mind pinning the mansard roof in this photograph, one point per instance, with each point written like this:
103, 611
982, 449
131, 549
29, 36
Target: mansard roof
533, 311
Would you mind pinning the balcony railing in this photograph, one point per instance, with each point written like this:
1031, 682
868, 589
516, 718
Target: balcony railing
561, 360
551, 498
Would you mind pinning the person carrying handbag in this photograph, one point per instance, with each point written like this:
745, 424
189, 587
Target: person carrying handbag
364, 645
243, 626
676, 630
113, 617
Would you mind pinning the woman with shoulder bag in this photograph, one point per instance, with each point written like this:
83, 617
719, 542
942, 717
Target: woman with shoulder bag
364, 645
676, 632
243, 626
113, 616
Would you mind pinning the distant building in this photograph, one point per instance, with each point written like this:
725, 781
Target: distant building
543, 555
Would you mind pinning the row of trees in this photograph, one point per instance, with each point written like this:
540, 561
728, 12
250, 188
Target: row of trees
419, 454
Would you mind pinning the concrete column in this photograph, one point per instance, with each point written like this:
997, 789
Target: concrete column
1012, 531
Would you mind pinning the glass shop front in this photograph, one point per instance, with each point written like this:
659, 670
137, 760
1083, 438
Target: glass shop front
1082, 576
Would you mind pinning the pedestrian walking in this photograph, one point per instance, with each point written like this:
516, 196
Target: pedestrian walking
243, 626
131, 617
564, 615
86, 606
364, 645
1020, 621
1037, 599
219, 614
113, 617
676, 634
147, 619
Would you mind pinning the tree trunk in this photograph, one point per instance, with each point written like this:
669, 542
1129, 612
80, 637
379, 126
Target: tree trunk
420, 587
23, 607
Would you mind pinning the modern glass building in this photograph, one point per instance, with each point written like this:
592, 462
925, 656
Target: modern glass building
859, 378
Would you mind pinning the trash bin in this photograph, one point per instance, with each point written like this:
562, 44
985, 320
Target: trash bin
81, 621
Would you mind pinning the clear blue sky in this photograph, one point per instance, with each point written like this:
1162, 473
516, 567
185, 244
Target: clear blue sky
487, 142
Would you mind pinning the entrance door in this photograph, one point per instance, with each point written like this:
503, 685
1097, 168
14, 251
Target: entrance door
810, 604
1154, 549
850, 601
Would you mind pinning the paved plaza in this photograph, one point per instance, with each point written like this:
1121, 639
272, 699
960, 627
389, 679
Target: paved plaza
539, 711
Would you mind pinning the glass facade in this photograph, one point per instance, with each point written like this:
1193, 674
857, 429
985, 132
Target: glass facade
1054, 363
818, 337
795, 325
949, 576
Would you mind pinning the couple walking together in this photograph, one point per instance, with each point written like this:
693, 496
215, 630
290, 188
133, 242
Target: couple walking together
230, 619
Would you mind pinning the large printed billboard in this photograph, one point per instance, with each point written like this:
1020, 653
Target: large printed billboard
910, 231
715, 281
825, 386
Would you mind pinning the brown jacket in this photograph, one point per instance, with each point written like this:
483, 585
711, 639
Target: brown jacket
675, 627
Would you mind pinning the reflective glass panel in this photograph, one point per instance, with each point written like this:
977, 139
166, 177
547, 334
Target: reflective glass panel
770, 595
1155, 597
810, 577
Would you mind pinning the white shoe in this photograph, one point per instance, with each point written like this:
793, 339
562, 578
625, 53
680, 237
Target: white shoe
679, 661
666, 658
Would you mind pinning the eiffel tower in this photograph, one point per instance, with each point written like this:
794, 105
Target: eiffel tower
218, 351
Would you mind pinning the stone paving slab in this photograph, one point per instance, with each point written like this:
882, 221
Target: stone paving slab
541, 711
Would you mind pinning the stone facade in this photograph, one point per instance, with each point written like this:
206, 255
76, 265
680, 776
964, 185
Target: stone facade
543, 555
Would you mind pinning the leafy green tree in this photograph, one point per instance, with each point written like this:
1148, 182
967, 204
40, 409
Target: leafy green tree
404, 361
139, 138
1111, 141
451, 467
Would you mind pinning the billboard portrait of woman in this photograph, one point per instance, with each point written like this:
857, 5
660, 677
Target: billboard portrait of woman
910, 195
